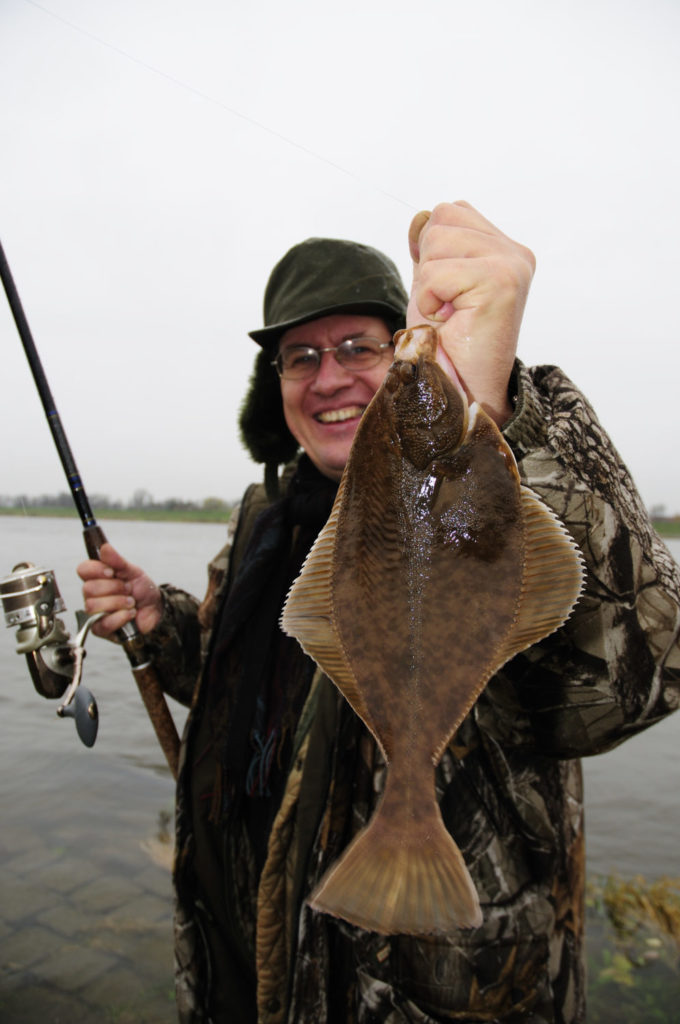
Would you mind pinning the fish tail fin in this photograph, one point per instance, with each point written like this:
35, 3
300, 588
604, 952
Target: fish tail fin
406, 881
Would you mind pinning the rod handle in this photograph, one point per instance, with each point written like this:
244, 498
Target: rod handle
145, 674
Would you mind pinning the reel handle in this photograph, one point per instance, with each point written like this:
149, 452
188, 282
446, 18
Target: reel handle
31, 599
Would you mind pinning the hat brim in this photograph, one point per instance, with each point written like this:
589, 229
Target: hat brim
267, 337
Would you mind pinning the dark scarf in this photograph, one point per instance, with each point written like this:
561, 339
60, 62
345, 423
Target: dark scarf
267, 676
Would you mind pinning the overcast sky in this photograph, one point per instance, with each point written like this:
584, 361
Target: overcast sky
157, 157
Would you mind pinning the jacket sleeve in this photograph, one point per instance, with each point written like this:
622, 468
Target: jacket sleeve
614, 668
179, 644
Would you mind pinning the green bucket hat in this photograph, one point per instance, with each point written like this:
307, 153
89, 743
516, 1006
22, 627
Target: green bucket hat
322, 276
317, 277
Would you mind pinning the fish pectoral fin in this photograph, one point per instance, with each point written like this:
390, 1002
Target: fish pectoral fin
553, 578
308, 615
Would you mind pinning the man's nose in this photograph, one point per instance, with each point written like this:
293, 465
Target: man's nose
331, 374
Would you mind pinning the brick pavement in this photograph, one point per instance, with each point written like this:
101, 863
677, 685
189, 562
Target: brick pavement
85, 914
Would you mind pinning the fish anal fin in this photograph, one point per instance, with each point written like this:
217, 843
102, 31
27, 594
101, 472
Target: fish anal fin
553, 577
308, 615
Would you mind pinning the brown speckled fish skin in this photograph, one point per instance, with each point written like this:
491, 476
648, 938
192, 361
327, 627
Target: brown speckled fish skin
432, 571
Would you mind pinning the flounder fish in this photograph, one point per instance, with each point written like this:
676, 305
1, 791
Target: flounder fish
435, 567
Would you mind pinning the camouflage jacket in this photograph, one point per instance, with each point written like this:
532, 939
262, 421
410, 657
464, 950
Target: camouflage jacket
509, 783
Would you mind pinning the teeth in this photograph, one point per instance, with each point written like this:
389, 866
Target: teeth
338, 415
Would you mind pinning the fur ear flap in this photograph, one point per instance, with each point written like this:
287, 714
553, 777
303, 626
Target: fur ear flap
261, 421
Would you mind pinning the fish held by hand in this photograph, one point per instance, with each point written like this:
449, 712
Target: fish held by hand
435, 567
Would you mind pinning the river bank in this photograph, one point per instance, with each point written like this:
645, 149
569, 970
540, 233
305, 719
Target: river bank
664, 527
137, 515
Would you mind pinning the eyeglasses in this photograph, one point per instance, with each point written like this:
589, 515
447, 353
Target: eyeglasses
299, 362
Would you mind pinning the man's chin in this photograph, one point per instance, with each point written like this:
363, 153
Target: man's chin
329, 464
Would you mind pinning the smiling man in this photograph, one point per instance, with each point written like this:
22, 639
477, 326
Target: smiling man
325, 293
277, 773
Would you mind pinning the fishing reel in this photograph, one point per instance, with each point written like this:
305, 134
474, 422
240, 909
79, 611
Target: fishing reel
31, 600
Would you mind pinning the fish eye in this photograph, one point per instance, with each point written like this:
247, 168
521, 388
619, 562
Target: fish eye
407, 371
392, 379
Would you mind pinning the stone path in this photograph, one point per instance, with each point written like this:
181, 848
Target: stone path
85, 915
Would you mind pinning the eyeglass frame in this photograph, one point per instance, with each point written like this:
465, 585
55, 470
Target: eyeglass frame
319, 352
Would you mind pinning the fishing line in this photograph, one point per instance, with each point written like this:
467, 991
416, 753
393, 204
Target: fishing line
219, 103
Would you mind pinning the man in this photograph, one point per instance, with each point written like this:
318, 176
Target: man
277, 773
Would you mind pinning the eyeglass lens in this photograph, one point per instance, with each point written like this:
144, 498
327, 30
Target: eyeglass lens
300, 361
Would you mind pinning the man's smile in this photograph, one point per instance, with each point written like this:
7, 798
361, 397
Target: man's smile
340, 415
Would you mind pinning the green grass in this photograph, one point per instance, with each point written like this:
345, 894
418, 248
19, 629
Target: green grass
174, 515
664, 527
667, 527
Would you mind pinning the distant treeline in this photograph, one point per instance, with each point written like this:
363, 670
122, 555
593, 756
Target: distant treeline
140, 506
667, 526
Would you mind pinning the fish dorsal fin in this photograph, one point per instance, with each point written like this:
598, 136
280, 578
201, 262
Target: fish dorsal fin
308, 613
553, 577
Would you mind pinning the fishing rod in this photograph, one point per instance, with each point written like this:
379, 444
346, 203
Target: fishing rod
30, 595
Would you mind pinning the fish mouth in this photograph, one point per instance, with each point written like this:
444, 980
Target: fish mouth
349, 412
413, 343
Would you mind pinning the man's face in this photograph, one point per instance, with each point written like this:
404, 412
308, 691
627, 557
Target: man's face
323, 411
